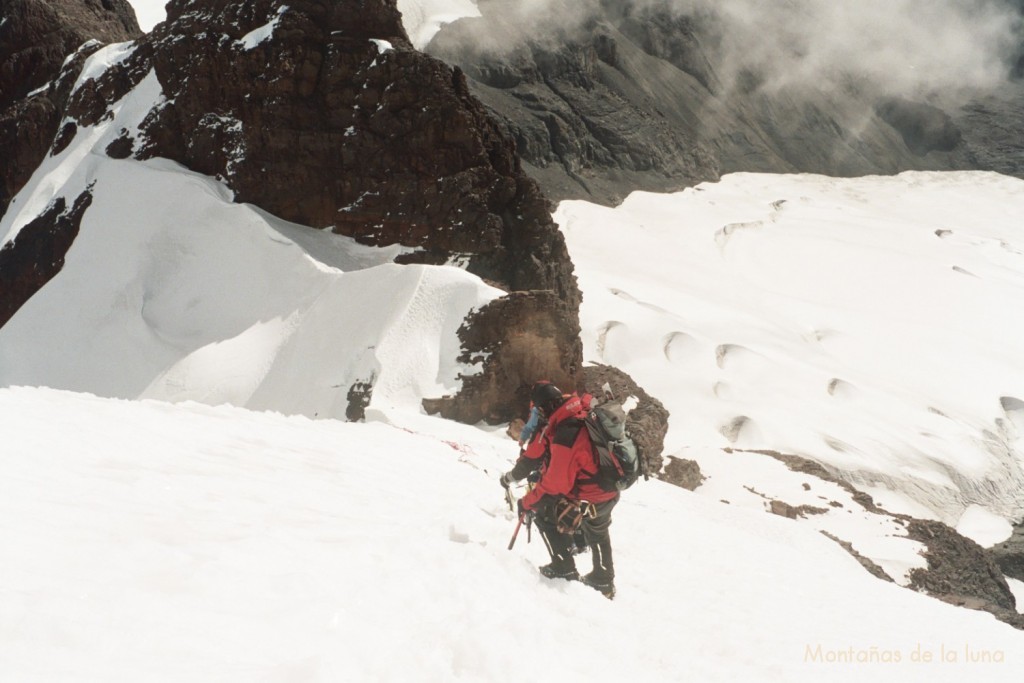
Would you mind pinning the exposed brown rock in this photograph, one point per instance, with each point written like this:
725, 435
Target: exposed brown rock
959, 571
784, 509
683, 473
517, 339
958, 568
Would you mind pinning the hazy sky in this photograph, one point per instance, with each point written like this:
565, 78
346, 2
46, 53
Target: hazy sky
149, 12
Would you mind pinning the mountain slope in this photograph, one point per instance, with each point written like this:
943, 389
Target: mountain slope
163, 542
609, 96
864, 323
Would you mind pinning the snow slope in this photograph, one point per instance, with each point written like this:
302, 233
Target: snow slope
868, 323
865, 323
166, 542
172, 291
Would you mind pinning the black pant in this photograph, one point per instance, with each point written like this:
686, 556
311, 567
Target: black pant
595, 530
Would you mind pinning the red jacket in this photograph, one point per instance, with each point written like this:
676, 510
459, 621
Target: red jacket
572, 460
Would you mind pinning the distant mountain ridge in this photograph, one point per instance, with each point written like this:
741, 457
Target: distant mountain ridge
629, 97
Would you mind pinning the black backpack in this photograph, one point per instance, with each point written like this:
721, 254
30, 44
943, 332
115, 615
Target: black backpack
618, 462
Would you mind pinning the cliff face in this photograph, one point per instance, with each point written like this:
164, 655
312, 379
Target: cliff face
333, 120
35, 39
36, 36
322, 113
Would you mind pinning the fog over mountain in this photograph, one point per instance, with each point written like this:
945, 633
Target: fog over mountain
610, 95
906, 47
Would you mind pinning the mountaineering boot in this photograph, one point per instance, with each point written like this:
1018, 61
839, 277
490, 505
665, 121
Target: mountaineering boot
603, 577
561, 569
602, 583
560, 549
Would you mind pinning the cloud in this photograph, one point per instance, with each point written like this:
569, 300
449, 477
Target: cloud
899, 46
908, 47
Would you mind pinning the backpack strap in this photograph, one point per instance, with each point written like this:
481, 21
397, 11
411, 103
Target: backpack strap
567, 431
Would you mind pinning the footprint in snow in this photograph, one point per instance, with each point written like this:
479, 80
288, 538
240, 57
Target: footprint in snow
841, 388
723, 390
728, 354
626, 296
739, 427
677, 344
602, 335
725, 233
1014, 409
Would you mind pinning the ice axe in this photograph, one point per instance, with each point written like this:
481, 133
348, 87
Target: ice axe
519, 524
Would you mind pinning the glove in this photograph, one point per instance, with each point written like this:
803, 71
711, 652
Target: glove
506, 480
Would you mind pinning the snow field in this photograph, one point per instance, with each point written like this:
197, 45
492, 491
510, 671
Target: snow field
159, 541
864, 323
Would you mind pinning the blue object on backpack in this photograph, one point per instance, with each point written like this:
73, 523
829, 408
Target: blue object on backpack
531, 426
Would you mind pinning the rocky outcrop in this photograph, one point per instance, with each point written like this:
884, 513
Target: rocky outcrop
322, 113
36, 37
646, 422
37, 253
1009, 554
960, 571
514, 341
42, 47
683, 473
631, 97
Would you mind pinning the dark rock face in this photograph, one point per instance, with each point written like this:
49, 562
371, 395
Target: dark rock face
37, 253
518, 340
630, 99
37, 35
583, 109
647, 423
320, 112
35, 39
323, 124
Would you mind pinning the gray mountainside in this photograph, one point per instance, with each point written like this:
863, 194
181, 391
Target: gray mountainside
631, 95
